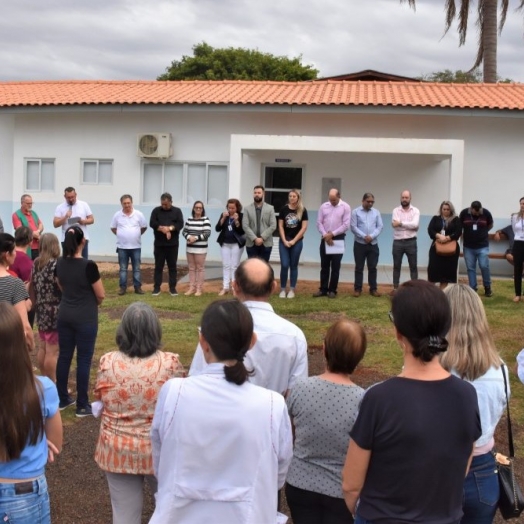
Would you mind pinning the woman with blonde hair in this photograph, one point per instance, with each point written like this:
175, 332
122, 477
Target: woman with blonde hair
292, 226
444, 229
517, 224
472, 356
46, 295
30, 426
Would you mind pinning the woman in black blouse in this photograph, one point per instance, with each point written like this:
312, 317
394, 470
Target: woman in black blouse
232, 241
443, 229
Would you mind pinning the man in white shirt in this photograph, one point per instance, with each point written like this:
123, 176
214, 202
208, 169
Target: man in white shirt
279, 356
405, 222
71, 212
129, 225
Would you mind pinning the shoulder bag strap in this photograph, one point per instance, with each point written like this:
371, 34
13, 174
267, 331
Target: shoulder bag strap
510, 432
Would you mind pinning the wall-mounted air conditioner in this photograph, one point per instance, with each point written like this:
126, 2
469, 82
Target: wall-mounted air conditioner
154, 145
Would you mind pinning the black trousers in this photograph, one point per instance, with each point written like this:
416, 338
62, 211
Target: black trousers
309, 507
518, 263
365, 253
329, 270
163, 255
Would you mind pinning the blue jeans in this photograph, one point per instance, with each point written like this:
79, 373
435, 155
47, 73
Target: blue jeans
262, 252
481, 491
25, 508
82, 336
470, 257
124, 255
289, 257
365, 253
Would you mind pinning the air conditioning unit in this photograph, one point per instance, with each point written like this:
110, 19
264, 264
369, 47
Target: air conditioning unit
154, 145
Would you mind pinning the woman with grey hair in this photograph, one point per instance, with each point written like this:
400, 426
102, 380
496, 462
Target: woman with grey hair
128, 382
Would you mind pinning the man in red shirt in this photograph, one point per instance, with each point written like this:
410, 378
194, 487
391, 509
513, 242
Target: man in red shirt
26, 217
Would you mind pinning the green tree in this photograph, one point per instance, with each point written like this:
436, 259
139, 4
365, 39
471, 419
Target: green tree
487, 29
459, 77
208, 63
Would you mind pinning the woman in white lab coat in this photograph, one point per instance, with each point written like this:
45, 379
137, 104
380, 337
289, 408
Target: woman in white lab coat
221, 445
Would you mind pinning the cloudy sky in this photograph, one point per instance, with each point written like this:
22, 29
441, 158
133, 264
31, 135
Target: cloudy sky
132, 39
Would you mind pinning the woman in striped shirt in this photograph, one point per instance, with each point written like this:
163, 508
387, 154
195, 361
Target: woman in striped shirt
196, 231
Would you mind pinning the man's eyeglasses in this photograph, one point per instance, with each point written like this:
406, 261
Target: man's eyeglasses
370, 201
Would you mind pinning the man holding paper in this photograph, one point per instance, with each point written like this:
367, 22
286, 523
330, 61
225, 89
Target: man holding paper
71, 212
333, 221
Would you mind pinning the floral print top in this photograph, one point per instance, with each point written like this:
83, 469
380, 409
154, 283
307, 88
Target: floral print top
129, 388
48, 296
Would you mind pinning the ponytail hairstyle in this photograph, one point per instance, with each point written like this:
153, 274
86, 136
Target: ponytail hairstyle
21, 418
227, 326
7, 246
422, 314
72, 240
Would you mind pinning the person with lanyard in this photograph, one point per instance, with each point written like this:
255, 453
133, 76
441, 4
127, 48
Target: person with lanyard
476, 222
25, 216
517, 225
366, 225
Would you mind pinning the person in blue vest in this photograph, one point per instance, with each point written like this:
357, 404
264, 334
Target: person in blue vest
25, 216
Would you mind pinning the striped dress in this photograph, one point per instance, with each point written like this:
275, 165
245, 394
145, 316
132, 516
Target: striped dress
197, 227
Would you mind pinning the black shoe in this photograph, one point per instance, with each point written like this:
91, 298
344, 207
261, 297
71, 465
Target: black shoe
122, 291
84, 412
488, 292
173, 292
156, 292
319, 294
332, 294
69, 402
139, 291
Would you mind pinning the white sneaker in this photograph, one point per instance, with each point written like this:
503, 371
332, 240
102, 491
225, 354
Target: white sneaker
282, 294
291, 294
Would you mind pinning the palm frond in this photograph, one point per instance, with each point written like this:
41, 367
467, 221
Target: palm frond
503, 12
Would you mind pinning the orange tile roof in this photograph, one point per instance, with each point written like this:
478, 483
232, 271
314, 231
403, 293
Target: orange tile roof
318, 93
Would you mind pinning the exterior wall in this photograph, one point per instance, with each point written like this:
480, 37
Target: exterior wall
201, 134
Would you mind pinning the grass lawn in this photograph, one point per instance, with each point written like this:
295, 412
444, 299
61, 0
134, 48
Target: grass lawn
180, 317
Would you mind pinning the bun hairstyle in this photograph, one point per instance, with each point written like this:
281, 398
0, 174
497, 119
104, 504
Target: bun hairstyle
227, 326
72, 240
422, 314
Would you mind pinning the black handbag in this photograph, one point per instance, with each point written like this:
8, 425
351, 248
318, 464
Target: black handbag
511, 501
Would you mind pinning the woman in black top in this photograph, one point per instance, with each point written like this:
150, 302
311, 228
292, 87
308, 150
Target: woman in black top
232, 241
444, 228
82, 293
292, 226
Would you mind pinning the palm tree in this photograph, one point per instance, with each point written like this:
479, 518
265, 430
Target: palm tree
487, 29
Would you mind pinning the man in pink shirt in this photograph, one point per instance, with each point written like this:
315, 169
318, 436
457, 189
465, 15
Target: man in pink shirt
405, 222
26, 217
333, 220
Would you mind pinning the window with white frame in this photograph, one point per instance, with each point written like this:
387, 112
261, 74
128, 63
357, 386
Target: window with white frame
186, 182
39, 174
96, 171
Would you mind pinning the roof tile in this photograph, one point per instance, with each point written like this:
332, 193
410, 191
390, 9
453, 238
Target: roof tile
317, 93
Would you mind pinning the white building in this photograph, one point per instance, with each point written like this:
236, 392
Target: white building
218, 139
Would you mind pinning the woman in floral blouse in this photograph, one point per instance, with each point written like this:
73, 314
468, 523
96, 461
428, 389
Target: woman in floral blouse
128, 382
45, 295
